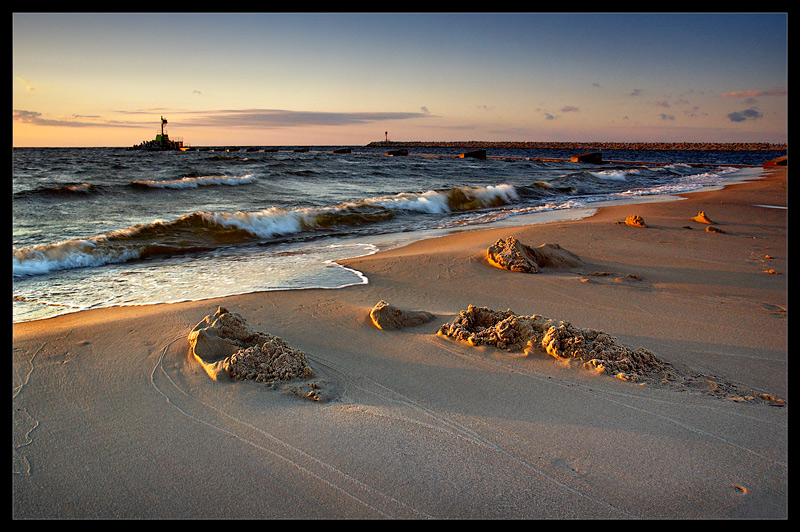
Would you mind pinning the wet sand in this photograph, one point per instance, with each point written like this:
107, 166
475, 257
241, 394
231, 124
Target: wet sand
113, 418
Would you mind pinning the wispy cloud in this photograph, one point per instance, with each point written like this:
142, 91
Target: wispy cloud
566, 109
278, 118
228, 118
35, 118
27, 84
755, 93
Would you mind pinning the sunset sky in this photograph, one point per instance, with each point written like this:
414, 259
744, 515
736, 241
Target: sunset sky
88, 79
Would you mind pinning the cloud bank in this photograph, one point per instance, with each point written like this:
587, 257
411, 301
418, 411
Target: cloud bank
234, 118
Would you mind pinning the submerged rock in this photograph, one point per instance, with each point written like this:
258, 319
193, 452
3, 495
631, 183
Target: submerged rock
228, 348
511, 254
386, 316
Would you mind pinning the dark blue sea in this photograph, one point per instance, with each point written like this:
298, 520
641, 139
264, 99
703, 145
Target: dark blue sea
96, 227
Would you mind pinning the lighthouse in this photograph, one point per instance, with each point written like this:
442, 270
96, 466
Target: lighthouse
162, 142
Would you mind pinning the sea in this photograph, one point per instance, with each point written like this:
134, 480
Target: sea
101, 227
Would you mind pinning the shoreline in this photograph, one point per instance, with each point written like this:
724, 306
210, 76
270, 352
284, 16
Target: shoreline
107, 400
401, 239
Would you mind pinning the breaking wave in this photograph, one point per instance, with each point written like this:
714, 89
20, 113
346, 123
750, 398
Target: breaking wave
77, 190
203, 231
195, 182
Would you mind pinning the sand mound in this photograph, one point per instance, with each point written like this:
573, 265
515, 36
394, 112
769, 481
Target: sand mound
635, 220
227, 347
702, 218
593, 349
511, 254
386, 316
560, 339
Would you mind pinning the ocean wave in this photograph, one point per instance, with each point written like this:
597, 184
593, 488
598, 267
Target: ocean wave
451, 200
195, 182
76, 190
203, 231
616, 174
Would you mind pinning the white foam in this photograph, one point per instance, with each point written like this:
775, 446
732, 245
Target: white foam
266, 223
431, 202
438, 202
194, 182
614, 175
42, 259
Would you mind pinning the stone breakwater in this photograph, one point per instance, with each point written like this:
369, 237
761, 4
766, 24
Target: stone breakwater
656, 146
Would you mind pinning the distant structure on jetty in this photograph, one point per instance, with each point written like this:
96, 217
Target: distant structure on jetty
162, 142
590, 146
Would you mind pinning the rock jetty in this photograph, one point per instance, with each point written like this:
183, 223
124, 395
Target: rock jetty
587, 146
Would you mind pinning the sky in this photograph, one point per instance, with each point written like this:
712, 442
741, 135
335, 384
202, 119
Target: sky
320, 79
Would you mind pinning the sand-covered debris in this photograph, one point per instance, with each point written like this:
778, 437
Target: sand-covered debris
593, 349
511, 254
635, 220
227, 347
703, 218
386, 316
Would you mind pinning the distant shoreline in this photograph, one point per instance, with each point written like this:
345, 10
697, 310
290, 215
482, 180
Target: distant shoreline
637, 146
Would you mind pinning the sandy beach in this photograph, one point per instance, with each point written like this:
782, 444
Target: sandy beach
114, 418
